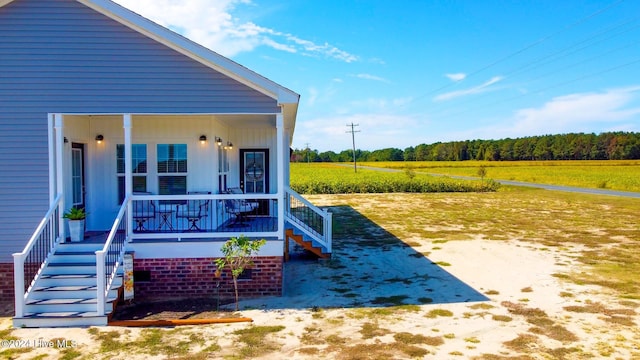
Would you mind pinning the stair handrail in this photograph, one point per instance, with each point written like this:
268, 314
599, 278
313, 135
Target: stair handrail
324, 238
48, 242
111, 256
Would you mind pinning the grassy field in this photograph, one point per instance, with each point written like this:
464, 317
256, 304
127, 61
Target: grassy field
595, 313
591, 240
604, 227
325, 178
607, 174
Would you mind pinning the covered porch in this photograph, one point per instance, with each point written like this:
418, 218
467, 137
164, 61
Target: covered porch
184, 174
174, 197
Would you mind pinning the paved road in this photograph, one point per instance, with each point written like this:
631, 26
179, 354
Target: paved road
522, 183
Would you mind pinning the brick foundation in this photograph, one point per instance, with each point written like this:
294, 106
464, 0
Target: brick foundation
6, 283
194, 277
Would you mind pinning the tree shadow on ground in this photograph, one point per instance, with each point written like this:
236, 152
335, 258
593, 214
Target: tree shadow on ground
370, 267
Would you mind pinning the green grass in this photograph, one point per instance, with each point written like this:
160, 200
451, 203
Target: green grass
604, 227
255, 340
326, 178
598, 174
439, 312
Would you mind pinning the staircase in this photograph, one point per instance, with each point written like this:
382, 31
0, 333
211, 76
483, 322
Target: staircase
307, 225
309, 245
65, 293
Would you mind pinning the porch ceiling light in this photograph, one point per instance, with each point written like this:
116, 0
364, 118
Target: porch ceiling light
203, 139
218, 141
99, 138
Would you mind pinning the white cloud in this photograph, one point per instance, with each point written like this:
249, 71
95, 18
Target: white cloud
371, 77
577, 111
474, 90
612, 110
377, 131
211, 23
312, 96
456, 76
380, 105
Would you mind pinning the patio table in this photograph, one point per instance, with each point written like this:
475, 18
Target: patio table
165, 217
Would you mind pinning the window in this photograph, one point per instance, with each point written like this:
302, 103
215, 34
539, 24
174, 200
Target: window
76, 175
172, 169
172, 158
223, 169
139, 167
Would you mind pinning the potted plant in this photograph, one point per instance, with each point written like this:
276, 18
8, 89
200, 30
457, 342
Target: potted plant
76, 218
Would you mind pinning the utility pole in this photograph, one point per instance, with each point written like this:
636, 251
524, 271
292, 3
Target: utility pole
353, 139
307, 151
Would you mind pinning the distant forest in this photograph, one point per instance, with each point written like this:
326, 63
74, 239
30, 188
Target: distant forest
604, 146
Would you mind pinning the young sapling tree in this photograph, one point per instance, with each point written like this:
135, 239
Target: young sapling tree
238, 255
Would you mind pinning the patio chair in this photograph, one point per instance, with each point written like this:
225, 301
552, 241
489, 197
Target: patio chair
143, 211
194, 211
239, 208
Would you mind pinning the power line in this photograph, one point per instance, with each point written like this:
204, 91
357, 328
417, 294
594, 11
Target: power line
595, 38
525, 48
353, 139
553, 86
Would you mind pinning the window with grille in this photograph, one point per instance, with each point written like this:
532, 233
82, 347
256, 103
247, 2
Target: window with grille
138, 168
172, 169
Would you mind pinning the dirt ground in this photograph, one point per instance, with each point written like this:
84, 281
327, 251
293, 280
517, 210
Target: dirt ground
404, 287
195, 308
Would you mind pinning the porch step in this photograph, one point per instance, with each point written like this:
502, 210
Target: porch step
61, 319
71, 305
69, 268
72, 280
308, 245
66, 293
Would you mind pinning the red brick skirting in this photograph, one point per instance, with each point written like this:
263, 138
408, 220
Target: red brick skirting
195, 277
6, 283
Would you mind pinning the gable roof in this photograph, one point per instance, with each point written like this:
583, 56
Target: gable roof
193, 50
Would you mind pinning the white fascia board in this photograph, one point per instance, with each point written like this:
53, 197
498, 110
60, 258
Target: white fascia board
193, 50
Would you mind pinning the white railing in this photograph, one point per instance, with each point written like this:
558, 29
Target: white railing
196, 216
28, 264
308, 218
108, 259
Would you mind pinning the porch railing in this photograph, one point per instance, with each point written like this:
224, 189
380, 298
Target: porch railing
308, 218
28, 264
108, 259
203, 216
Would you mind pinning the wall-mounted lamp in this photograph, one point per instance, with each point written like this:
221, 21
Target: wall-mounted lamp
99, 138
218, 141
229, 145
203, 139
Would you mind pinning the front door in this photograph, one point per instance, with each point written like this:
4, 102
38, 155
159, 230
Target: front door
77, 175
254, 175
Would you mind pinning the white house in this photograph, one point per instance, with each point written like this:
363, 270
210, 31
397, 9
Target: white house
169, 147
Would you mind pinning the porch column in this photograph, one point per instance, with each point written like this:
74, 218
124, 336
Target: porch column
280, 149
128, 179
59, 171
52, 156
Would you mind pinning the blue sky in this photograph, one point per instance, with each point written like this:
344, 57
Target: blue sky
417, 71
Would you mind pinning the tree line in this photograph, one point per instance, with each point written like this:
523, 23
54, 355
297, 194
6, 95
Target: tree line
573, 146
